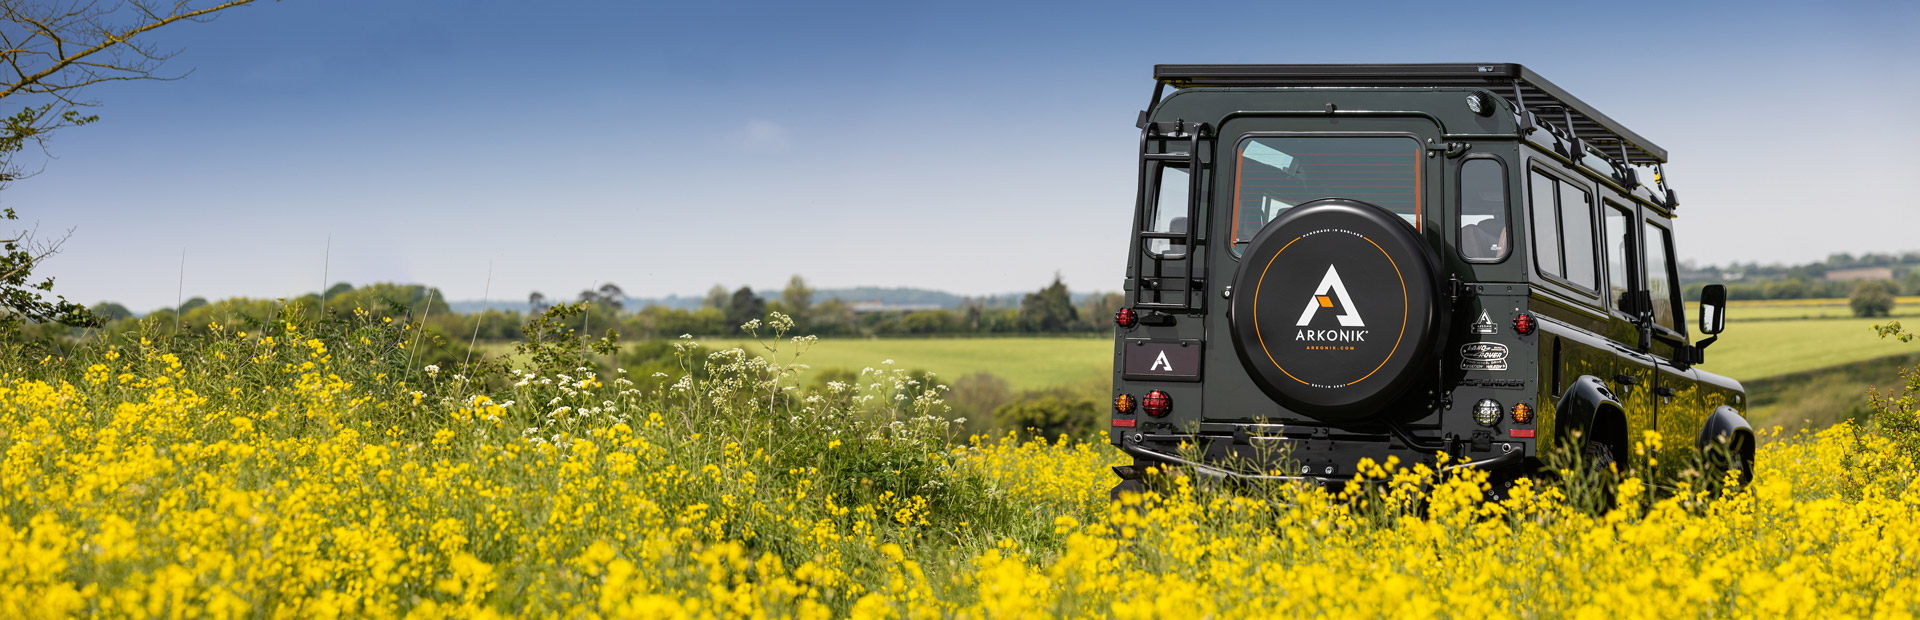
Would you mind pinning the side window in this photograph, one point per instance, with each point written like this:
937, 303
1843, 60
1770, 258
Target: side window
1483, 210
1576, 235
1169, 209
1546, 224
1619, 235
1563, 230
1660, 276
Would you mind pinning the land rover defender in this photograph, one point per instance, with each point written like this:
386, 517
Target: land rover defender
1338, 262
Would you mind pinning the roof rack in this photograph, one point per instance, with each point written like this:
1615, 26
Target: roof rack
1542, 100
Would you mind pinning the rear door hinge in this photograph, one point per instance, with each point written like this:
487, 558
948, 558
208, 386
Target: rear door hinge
1458, 290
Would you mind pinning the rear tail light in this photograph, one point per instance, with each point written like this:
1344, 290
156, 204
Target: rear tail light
1123, 403
1157, 403
1487, 412
1125, 317
1522, 414
1524, 324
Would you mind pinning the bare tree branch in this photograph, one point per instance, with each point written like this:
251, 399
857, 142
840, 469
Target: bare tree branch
50, 51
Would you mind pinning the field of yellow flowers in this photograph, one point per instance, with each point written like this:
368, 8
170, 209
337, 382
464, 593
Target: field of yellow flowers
308, 471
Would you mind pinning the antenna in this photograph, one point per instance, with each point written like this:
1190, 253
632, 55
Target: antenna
325, 263
468, 364
424, 313
179, 290
586, 320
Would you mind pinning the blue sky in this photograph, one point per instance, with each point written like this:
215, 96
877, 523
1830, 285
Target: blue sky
973, 147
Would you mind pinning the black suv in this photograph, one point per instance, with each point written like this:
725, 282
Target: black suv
1353, 261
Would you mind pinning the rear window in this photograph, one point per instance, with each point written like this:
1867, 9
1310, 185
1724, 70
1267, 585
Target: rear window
1273, 174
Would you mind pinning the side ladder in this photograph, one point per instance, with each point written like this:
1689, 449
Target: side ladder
1173, 279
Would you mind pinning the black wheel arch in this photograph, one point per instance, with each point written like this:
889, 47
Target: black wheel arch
1587, 407
1726, 422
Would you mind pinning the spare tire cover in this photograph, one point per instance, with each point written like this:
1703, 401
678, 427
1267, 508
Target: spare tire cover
1334, 310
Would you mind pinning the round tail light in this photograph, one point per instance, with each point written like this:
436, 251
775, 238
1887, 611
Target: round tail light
1522, 414
1157, 403
1524, 324
1123, 403
1125, 317
1487, 412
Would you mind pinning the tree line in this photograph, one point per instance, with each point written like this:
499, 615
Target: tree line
1049, 310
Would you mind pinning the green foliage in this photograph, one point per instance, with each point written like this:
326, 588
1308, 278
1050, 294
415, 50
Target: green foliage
1050, 415
109, 311
1050, 309
23, 300
974, 398
607, 295
797, 299
1871, 298
1786, 289
554, 347
744, 306
717, 298
1897, 415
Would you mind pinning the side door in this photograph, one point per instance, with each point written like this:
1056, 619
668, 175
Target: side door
1634, 375
1676, 390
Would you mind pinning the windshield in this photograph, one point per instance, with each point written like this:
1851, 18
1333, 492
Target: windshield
1275, 173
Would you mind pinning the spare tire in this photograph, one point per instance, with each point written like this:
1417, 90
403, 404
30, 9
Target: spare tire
1335, 310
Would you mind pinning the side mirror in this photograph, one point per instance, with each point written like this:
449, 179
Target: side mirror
1713, 309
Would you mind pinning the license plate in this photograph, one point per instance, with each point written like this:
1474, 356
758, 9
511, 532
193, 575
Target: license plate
1175, 360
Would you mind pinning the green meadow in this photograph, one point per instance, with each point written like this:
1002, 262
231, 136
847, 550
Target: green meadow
1763, 339
1026, 363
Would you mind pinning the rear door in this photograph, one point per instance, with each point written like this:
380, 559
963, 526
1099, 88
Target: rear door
1268, 164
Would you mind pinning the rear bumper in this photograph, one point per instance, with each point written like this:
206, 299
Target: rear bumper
1143, 454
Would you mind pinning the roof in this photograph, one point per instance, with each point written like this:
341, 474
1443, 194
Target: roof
1517, 84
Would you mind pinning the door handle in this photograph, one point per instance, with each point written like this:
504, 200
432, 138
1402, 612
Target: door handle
1664, 391
1626, 380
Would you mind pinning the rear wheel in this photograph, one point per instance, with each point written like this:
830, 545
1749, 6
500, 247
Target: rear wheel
1733, 455
1598, 456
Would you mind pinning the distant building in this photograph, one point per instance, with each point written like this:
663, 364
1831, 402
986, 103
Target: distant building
1863, 273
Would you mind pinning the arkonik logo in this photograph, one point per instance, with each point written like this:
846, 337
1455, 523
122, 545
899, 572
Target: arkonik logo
1331, 287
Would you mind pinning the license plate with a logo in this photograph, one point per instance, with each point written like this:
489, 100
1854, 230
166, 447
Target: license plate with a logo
1162, 360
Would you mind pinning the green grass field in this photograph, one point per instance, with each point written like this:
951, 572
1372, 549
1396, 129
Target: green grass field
1791, 309
1026, 363
1763, 339
1758, 349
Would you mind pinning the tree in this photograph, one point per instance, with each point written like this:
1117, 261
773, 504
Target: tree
191, 303
109, 311
1786, 289
21, 297
55, 49
608, 295
1101, 308
1050, 309
51, 51
338, 288
1871, 298
798, 299
744, 306
717, 298
537, 302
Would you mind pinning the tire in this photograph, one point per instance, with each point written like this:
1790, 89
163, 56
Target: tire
1735, 458
1336, 309
1597, 455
